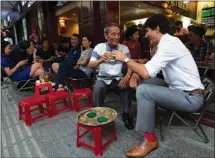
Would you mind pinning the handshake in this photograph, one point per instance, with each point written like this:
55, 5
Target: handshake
113, 56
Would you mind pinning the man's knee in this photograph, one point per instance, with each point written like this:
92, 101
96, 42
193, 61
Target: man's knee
98, 86
142, 90
40, 71
55, 65
38, 65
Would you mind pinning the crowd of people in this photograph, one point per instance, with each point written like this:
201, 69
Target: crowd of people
123, 67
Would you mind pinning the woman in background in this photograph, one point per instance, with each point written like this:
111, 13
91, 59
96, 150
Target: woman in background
131, 41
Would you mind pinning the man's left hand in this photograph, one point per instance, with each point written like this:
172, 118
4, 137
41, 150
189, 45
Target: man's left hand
119, 55
124, 82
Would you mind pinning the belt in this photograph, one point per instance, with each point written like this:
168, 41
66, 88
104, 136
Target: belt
195, 91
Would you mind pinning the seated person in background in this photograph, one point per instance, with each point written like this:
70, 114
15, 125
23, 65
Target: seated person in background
181, 90
180, 31
55, 47
70, 60
7, 38
35, 49
17, 54
16, 71
81, 70
199, 48
45, 55
34, 37
145, 45
132, 36
110, 72
61, 53
28, 50
65, 42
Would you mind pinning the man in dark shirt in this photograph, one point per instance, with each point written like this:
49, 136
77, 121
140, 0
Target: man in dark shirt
70, 60
45, 55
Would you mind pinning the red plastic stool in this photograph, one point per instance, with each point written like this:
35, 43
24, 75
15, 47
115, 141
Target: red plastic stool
81, 92
40, 86
66, 100
33, 101
97, 134
54, 96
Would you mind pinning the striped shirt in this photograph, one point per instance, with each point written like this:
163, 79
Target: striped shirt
109, 70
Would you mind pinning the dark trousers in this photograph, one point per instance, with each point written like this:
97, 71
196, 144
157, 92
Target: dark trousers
101, 88
47, 66
67, 70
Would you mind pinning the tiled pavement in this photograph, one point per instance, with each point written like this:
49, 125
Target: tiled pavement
56, 137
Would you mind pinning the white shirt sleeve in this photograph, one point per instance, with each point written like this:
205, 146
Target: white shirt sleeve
95, 54
160, 60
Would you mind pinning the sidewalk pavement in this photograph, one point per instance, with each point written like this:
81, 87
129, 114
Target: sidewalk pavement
56, 137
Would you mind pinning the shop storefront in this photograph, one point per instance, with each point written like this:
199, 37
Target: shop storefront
89, 17
86, 18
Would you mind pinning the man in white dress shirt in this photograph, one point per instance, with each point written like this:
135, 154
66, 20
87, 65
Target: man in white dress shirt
110, 71
181, 89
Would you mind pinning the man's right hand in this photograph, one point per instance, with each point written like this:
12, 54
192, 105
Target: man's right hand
134, 81
106, 57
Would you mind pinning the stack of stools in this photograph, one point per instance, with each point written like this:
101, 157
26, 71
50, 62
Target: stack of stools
25, 110
55, 96
82, 92
38, 100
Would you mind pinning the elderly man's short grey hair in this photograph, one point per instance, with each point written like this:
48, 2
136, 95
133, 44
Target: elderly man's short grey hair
107, 27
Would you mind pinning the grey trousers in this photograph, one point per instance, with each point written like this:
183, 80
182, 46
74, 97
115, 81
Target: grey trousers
100, 89
154, 92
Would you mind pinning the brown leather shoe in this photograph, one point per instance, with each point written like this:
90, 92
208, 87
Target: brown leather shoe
142, 150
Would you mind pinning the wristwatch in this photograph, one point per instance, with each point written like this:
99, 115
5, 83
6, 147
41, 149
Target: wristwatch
126, 60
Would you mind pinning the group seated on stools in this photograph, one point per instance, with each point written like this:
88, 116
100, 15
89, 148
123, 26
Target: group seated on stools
76, 64
24, 69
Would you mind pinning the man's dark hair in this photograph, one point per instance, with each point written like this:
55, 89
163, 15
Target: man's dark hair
76, 35
178, 22
24, 44
158, 20
43, 40
129, 32
107, 27
197, 30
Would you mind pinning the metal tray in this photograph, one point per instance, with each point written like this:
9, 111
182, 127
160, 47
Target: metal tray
97, 116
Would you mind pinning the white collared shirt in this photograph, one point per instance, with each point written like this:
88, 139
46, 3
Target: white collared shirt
177, 64
112, 69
